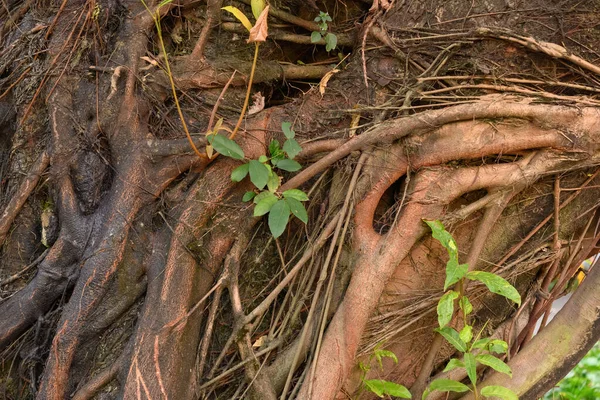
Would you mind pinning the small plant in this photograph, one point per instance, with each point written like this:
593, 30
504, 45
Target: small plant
475, 350
330, 39
378, 386
262, 172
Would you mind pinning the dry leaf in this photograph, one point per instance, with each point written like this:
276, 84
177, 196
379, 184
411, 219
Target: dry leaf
259, 342
325, 79
150, 61
258, 103
354, 122
259, 31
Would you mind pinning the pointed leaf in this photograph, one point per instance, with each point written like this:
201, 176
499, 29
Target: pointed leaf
330, 41
315, 37
481, 343
257, 7
295, 194
248, 196
496, 284
297, 209
466, 333
265, 205
445, 307
289, 165
453, 338
471, 367
274, 147
292, 148
465, 305
381, 388
226, 146
259, 174
273, 182
240, 16
499, 391
259, 31
445, 385
278, 218
286, 127
498, 346
494, 363
239, 173
381, 353
262, 195
454, 272
453, 364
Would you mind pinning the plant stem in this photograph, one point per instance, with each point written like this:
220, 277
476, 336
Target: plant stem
239, 123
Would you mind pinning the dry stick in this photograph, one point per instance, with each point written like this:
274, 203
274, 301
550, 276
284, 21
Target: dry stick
16, 202
212, 13
218, 102
89, 390
210, 322
247, 99
16, 276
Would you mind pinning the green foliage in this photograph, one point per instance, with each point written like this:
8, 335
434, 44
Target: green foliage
477, 350
583, 382
262, 173
378, 386
330, 39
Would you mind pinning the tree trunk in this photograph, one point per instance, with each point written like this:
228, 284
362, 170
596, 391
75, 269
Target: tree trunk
131, 267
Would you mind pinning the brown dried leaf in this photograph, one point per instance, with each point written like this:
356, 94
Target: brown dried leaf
258, 103
259, 31
325, 80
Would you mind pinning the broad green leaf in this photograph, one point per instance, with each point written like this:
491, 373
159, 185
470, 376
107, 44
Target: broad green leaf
465, 305
257, 7
330, 41
496, 284
445, 307
273, 182
292, 148
240, 16
381, 353
443, 236
295, 194
262, 195
315, 37
453, 338
297, 209
259, 174
495, 363
248, 196
274, 147
445, 385
481, 343
498, 346
381, 388
471, 367
265, 205
454, 272
466, 333
453, 364
263, 159
239, 173
278, 218
499, 391
226, 146
288, 165
286, 127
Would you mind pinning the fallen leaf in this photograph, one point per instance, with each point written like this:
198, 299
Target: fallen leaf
259, 342
259, 31
355, 121
258, 103
325, 80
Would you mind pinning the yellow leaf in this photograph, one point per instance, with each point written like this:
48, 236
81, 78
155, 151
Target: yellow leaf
257, 7
209, 151
259, 31
240, 16
325, 80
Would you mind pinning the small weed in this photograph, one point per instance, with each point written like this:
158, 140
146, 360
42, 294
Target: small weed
330, 39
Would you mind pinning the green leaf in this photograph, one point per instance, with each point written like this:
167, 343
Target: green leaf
297, 209
453, 338
498, 346
286, 127
248, 196
315, 37
259, 174
496, 284
295, 194
495, 363
453, 364
265, 204
454, 272
278, 218
274, 147
466, 333
465, 305
292, 148
499, 391
262, 195
257, 7
381, 353
239, 173
445, 385
263, 159
240, 16
273, 182
443, 236
445, 307
330, 41
471, 367
381, 388
226, 146
481, 343
289, 165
